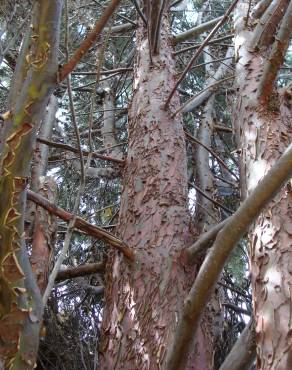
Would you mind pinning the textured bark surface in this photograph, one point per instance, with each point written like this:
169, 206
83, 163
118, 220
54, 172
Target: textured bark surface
45, 227
265, 130
21, 307
144, 298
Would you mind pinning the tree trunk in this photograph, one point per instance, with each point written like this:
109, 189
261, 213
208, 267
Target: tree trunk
144, 299
265, 131
21, 305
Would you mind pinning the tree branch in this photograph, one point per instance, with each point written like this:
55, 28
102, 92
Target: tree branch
194, 32
243, 352
79, 271
276, 56
200, 49
204, 242
89, 41
75, 150
192, 138
81, 224
218, 255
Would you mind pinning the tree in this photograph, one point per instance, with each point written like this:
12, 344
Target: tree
139, 154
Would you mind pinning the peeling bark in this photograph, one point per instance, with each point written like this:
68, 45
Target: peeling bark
144, 299
43, 237
265, 131
21, 307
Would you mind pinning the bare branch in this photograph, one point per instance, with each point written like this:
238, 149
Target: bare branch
200, 49
89, 41
243, 352
192, 138
204, 242
276, 56
218, 255
83, 270
75, 150
139, 11
195, 32
81, 224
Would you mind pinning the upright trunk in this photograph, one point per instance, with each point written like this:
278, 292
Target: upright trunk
144, 299
264, 129
21, 306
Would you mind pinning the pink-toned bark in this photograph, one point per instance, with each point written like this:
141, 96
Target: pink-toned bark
265, 131
144, 299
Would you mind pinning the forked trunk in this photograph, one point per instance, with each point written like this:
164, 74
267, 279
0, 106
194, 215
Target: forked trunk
144, 299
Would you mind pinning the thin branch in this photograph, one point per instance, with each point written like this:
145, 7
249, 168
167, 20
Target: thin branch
79, 271
223, 38
75, 150
276, 56
196, 100
81, 224
204, 242
192, 138
109, 72
139, 11
194, 32
213, 264
234, 289
223, 128
89, 41
243, 352
200, 49
210, 199
237, 309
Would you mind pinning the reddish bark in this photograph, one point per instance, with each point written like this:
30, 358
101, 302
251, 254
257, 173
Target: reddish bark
144, 299
81, 224
83, 270
265, 131
43, 238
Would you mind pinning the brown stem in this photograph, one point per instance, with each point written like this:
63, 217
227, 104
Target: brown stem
88, 42
243, 352
81, 224
192, 138
83, 270
218, 255
75, 150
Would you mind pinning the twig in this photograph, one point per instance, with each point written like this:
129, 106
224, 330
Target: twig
197, 45
109, 72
